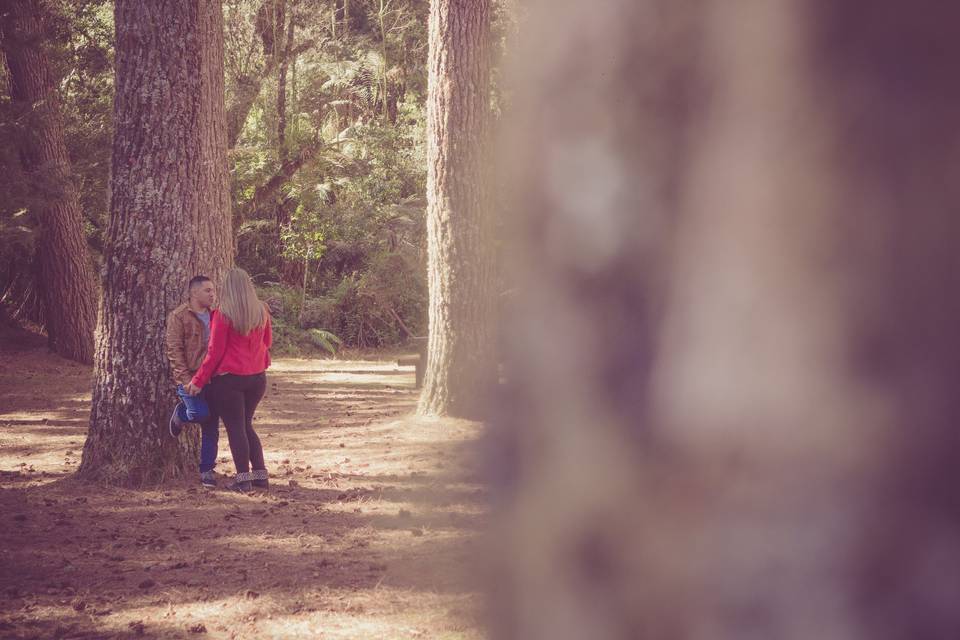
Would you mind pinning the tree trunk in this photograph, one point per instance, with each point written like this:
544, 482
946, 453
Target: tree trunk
284, 45
169, 220
341, 12
381, 16
248, 88
290, 270
66, 273
732, 407
461, 362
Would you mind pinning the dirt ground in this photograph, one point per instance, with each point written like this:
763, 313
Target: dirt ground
370, 529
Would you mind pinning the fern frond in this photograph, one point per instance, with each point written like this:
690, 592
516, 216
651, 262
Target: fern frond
325, 340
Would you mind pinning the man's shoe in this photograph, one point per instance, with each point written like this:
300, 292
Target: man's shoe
260, 480
208, 480
176, 424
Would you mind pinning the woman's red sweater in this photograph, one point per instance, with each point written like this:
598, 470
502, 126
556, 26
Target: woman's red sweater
230, 352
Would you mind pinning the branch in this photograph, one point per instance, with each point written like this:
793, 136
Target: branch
287, 169
397, 318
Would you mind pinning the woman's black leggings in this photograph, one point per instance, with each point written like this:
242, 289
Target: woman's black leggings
236, 398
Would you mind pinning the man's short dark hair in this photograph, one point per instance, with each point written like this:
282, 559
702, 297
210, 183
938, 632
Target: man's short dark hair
196, 281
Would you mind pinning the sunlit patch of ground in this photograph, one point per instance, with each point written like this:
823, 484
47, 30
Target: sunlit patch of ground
370, 528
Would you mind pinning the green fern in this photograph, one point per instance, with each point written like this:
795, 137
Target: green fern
325, 340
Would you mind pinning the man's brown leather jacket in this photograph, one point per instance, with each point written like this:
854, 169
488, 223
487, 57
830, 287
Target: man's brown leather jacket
185, 344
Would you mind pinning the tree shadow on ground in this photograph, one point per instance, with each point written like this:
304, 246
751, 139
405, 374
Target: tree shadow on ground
370, 515
126, 550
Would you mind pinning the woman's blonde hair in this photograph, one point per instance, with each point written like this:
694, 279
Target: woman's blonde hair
239, 302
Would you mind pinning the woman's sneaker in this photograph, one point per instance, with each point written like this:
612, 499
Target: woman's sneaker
208, 479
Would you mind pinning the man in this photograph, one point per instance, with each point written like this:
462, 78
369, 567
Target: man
188, 331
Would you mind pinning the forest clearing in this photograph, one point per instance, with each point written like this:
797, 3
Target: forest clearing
370, 528
679, 278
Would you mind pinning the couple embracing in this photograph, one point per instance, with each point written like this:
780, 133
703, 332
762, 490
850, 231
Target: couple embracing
219, 357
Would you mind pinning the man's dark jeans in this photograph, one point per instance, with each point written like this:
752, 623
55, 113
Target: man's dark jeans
195, 409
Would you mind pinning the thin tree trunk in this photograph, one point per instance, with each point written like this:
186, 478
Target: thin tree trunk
303, 289
291, 270
247, 91
248, 88
294, 97
66, 274
284, 53
169, 220
732, 409
461, 359
381, 15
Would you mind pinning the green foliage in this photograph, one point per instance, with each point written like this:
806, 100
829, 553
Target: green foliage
325, 340
350, 216
289, 337
371, 309
87, 108
355, 210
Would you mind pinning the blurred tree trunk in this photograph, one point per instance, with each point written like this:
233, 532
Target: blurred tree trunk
461, 364
169, 220
732, 409
66, 273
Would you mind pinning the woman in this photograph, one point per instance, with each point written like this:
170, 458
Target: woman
233, 372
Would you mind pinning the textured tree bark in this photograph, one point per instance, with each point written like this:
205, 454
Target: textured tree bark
461, 363
66, 280
731, 409
169, 220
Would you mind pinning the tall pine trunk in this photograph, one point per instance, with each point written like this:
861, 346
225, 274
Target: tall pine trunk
733, 401
169, 220
461, 363
66, 279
